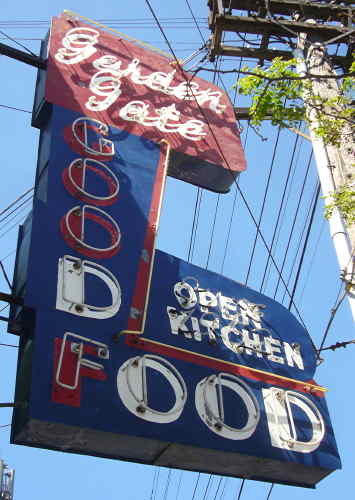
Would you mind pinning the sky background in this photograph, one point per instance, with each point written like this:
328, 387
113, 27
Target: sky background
43, 474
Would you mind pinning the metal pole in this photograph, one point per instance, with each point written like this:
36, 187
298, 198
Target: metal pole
333, 163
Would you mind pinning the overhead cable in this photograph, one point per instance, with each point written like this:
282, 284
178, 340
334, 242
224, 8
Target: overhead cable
270, 490
15, 201
241, 489
167, 485
5, 274
196, 484
294, 220
15, 209
227, 163
304, 246
195, 20
18, 43
263, 204
15, 109
300, 239
179, 486
280, 210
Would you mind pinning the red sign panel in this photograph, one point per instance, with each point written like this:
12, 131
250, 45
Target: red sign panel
132, 88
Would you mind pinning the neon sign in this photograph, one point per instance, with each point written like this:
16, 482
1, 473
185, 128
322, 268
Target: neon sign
120, 84
135, 354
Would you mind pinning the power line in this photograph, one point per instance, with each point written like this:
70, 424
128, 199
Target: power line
212, 231
288, 196
334, 310
229, 228
311, 262
5, 274
153, 484
15, 109
195, 21
207, 487
280, 210
300, 239
263, 204
197, 222
15, 210
196, 484
19, 221
179, 486
304, 246
18, 43
270, 490
218, 486
294, 220
15, 201
167, 485
156, 484
241, 489
193, 224
226, 162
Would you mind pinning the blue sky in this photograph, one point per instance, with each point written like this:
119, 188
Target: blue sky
43, 473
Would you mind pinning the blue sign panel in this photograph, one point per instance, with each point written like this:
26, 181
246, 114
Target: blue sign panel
208, 375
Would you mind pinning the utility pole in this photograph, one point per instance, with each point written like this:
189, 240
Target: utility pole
335, 163
289, 21
7, 479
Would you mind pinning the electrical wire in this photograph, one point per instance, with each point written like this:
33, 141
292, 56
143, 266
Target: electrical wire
167, 485
196, 484
156, 484
8, 255
218, 486
288, 196
212, 231
15, 109
5, 275
280, 210
270, 491
18, 43
179, 486
298, 246
15, 210
224, 488
193, 224
226, 162
304, 246
263, 205
15, 201
229, 227
17, 223
153, 484
241, 489
195, 20
9, 345
312, 259
207, 487
294, 220
196, 225
335, 308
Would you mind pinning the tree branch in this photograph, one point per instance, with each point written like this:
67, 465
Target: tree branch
278, 78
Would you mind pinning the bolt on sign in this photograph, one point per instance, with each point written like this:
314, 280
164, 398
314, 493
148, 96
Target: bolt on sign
134, 354
129, 87
207, 375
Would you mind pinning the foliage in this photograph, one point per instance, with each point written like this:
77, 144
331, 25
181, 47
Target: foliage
279, 93
344, 200
269, 96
